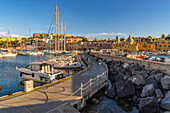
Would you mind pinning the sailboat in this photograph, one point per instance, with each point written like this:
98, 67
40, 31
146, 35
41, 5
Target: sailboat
7, 52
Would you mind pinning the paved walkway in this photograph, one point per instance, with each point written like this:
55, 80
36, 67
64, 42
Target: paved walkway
52, 98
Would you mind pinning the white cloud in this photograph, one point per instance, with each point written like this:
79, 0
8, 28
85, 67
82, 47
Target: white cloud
1, 28
94, 35
4, 35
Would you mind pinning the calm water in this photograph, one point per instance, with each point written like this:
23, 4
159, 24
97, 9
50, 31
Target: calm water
10, 78
108, 105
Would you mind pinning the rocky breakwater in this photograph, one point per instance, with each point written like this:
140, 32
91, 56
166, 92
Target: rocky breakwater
148, 89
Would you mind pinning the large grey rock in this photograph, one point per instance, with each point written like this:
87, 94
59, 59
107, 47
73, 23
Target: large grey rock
135, 67
158, 76
165, 82
137, 79
165, 103
125, 65
154, 72
151, 80
125, 89
125, 77
148, 90
159, 93
149, 105
119, 77
111, 92
140, 73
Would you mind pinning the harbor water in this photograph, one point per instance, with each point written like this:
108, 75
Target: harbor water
108, 105
10, 78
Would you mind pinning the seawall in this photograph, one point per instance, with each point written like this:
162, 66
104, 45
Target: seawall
148, 64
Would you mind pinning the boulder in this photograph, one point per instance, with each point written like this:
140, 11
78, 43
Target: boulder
165, 103
119, 77
125, 77
112, 76
155, 71
159, 93
140, 73
125, 65
135, 67
158, 76
148, 90
125, 89
151, 80
111, 92
138, 80
165, 82
148, 105
95, 101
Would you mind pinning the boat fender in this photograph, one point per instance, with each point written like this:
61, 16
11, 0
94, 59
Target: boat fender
32, 74
10, 93
46, 79
21, 74
41, 77
0, 88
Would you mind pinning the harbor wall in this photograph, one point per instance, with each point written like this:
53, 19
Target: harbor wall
148, 64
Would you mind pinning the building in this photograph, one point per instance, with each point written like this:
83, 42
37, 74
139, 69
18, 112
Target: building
161, 45
74, 46
143, 46
129, 45
168, 44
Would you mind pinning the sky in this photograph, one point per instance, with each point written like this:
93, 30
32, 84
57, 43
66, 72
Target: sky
89, 18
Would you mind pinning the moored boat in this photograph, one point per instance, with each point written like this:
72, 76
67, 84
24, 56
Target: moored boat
41, 72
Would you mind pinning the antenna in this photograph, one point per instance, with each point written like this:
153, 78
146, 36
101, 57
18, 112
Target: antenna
65, 36
61, 35
30, 32
56, 30
7, 35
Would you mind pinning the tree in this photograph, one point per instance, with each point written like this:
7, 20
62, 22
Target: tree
163, 36
84, 39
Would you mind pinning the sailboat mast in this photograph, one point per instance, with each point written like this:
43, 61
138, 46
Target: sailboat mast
65, 36
56, 30
61, 35
7, 35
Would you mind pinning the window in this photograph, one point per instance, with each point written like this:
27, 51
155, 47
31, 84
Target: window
160, 45
164, 45
163, 42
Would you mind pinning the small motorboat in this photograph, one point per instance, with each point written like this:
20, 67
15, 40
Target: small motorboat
41, 72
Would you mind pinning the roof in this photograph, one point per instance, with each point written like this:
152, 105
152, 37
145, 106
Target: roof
129, 39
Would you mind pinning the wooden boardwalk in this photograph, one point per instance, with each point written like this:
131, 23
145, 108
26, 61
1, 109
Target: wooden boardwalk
52, 98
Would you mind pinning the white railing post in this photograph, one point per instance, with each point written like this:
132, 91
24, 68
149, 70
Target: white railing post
90, 81
81, 90
97, 77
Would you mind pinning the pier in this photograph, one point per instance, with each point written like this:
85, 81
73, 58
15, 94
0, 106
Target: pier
67, 96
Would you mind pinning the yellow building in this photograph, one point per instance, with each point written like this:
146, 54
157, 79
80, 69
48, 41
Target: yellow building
129, 45
161, 45
36, 35
10, 39
139, 39
145, 46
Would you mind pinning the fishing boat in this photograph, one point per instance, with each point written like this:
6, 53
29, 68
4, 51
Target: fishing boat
41, 72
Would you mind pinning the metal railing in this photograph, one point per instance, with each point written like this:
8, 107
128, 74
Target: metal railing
87, 84
90, 83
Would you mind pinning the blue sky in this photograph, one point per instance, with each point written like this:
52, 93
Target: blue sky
91, 18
